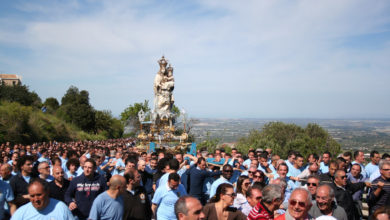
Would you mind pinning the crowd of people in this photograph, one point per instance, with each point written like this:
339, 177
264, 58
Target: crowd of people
113, 179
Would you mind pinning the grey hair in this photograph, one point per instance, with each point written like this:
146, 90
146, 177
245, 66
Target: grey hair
283, 183
331, 191
41, 164
272, 192
181, 206
308, 198
383, 162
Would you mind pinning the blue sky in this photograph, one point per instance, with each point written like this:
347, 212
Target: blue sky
231, 59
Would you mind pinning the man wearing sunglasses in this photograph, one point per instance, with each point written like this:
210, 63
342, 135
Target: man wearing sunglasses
227, 173
299, 205
343, 193
325, 204
312, 184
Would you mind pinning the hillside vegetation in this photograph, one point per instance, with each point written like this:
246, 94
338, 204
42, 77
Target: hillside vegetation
24, 119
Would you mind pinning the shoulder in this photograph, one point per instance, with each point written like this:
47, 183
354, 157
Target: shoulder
58, 204
27, 208
208, 207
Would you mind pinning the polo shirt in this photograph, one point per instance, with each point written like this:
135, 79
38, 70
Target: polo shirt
371, 169
105, 207
324, 167
216, 183
54, 210
165, 198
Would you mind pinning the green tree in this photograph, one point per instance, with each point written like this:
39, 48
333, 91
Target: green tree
107, 125
129, 116
281, 138
19, 93
51, 104
76, 109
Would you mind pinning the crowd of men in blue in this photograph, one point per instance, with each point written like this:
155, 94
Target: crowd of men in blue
113, 179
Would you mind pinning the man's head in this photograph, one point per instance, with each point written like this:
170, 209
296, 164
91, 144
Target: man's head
251, 155
347, 156
133, 178
130, 164
153, 163
263, 159
38, 190
234, 152
179, 157
324, 198
299, 203
340, 178
25, 164
117, 183
313, 168
58, 174
89, 168
173, 181
273, 196
384, 168
252, 170
355, 170
44, 169
201, 163
174, 164
375, 157
291, 156
313, 158
141, 165
188, 208
282, 170
312, 184
359, 156
5, 170
254, 162
15, 156
227, 171
298, 161
254, 195
332, 168
118, 155
341, 163
326, 157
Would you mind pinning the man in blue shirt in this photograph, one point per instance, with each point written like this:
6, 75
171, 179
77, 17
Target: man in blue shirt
40, 205
6, 197
324, 165
109, 204
227, 173
359, 159
119, 165
163, 203
372, 167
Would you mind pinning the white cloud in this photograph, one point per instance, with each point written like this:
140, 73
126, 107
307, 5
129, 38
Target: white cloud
290, 56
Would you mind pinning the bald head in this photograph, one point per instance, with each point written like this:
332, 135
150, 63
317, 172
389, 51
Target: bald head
5, 170
117, 181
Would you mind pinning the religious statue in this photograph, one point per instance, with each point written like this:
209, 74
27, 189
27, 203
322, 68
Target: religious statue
164, 84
